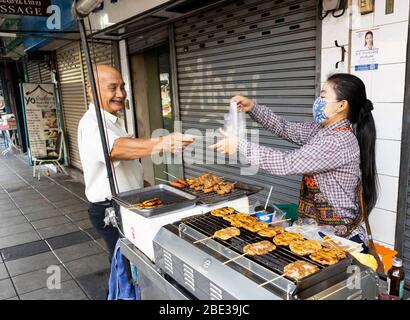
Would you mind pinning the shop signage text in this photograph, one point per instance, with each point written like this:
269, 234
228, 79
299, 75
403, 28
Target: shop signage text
25, 7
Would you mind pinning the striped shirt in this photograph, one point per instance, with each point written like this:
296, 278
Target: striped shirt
331, 156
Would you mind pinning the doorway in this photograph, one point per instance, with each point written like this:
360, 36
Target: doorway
152, 87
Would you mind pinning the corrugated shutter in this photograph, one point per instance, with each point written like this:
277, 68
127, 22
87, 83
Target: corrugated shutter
72, 72
406, 251
72, 96
38, 72
148, 40
265, 50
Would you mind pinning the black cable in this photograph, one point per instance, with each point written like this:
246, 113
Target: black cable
103, 113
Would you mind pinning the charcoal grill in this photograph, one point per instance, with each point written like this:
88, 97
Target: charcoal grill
199, 268
275, 260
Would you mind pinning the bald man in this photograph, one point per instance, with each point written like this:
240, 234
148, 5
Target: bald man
124, 150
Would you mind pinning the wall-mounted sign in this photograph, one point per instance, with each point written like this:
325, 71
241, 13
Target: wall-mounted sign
366, 51
25, 7
41, 119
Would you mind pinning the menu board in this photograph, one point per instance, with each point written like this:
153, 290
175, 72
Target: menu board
41, 119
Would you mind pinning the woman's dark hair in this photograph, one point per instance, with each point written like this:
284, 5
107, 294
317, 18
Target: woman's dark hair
367, 33
350, 88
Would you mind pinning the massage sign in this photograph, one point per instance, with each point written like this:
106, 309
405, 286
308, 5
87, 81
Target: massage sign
41, 118
25, 7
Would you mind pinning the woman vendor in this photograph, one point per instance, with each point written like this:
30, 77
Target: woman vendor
336, 155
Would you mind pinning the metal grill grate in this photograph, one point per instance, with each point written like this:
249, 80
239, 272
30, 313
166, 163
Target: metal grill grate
212, 198
275, 260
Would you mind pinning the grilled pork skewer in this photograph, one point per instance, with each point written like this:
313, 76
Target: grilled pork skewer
223, 234
253, 249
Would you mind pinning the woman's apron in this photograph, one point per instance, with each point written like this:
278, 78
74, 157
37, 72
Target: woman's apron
313, 205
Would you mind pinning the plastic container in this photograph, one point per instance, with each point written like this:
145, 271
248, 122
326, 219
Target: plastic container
290, 209
271, 214
386, 255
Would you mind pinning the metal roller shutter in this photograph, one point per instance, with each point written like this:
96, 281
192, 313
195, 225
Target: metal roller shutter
73, 80
73, 102
38, 72
265, 50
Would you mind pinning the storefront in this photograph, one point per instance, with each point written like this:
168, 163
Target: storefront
279, 53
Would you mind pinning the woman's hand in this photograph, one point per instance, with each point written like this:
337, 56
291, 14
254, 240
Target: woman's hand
244, 104
229, 145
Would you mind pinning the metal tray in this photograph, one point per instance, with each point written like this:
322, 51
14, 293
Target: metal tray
173, 199
212, 198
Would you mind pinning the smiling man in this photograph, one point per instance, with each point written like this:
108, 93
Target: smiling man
124, 150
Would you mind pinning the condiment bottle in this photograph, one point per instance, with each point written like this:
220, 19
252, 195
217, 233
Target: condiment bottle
395, 279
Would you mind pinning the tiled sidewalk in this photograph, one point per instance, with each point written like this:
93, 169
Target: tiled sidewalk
45, 223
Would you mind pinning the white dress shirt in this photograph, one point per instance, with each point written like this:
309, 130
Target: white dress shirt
129, 173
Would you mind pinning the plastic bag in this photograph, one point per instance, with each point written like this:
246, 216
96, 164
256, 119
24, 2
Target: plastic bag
235, 122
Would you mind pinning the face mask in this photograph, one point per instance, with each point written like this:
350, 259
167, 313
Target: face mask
319, 115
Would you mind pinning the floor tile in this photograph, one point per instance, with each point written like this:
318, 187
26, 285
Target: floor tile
38, 209
57, 196
38, 279
88, 265
47, 213
7, 207
6, 289
84, 224
7, 222
19, 228
13, 298
102, 244
3, 271
34, 203
68, 240
96, 284
69, 291
78, 251
26, 197
24, 250
20, 238
94, 234
9, 213
36, 262
77, 216
58, 230
49, 222
80, 207
67, 202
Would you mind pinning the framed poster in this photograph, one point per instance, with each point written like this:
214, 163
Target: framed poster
41, 118
366, 51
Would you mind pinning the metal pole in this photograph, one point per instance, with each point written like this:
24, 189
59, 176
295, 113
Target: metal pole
84, 43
